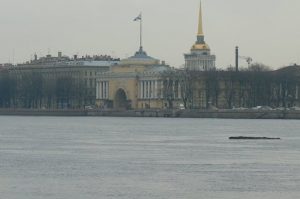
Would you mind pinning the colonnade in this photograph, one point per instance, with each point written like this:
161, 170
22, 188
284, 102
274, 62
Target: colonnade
102, 91
202, 65
150, 89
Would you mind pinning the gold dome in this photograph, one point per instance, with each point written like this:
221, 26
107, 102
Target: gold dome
200, 47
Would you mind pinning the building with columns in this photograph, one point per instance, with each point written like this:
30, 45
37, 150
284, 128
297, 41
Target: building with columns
200, 58
136, 83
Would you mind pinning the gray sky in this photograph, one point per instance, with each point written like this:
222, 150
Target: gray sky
266, 30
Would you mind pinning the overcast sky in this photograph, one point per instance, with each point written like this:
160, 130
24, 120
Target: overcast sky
266, 30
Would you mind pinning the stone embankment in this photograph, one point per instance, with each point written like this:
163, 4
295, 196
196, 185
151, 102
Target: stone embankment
40, 112
226, 114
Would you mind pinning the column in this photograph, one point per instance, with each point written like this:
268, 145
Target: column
155, 89
103, 89
149, 89
140, 90
145, 89
100, 90
151, 92
97, 90
104, 85
107, 90
162, 89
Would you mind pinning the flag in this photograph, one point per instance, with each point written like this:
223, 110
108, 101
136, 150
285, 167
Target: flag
138, 18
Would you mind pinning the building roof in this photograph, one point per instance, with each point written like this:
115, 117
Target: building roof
140, 58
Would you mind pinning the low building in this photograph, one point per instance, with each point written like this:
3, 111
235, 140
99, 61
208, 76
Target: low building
58, 82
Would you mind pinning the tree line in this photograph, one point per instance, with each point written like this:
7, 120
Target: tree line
32, 90
255, 86
251, 87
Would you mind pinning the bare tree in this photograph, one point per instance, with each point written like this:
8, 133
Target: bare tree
258, 67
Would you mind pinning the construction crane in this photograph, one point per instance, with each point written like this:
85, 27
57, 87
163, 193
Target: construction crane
237, 57
248, 59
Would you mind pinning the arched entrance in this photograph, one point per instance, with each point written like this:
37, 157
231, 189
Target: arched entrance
121, 101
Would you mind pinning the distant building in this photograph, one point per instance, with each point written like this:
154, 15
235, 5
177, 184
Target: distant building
200, 58
6, 65
64, 82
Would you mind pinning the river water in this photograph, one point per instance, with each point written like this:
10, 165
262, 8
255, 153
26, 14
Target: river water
147, 158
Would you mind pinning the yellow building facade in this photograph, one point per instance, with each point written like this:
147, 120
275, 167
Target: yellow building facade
135, 83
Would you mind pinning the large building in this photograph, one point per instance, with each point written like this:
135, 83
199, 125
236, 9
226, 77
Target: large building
138, 82
57, 82
200, 58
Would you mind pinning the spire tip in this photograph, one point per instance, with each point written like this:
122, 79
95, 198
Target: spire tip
200, 25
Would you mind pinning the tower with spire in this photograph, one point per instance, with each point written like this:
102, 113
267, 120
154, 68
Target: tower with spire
200, 58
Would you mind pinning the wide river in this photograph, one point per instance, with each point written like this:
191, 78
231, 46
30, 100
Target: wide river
147, 158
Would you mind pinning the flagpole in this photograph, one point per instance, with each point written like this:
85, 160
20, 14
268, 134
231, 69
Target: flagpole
141, 32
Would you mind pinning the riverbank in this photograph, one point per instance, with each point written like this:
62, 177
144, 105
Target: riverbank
226, 114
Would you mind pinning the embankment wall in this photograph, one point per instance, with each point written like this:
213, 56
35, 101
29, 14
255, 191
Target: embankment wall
226, 114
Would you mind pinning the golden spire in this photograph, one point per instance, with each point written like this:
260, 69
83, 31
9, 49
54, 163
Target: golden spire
200, 26
200, 43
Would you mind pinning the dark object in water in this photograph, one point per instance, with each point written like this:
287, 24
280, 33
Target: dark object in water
252, 138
